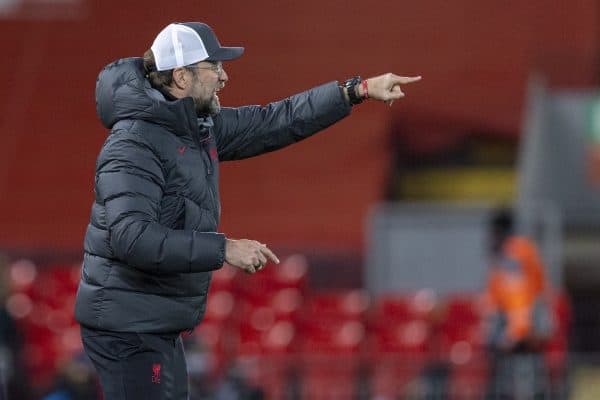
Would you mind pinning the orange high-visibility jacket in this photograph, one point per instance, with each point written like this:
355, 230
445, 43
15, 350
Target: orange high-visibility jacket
514, 292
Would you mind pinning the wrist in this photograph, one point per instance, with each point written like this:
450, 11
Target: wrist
362, 89
227, 248
351, 90
345, 94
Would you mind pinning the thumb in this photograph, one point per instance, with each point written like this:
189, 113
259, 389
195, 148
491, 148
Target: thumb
395, 93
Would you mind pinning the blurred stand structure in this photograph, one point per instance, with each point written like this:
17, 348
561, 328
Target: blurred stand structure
558, 167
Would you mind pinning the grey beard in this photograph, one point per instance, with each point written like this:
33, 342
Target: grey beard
210, 107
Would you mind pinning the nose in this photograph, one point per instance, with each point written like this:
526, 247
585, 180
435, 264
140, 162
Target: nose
224, 77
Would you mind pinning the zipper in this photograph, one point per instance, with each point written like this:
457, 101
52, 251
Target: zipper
203, 148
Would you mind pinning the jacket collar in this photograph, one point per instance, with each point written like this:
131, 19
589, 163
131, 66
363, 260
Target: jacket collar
123, 92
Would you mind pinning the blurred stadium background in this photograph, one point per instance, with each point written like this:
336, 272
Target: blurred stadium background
382, 221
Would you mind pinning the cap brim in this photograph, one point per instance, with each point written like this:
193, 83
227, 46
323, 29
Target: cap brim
226, 54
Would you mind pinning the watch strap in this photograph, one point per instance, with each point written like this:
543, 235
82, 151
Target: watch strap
351, 85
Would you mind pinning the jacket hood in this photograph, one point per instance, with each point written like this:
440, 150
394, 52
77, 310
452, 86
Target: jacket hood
123, 92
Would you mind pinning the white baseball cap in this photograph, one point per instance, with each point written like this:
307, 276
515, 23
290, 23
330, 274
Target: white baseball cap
181, 44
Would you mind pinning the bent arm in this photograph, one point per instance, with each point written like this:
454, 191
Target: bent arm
129, 182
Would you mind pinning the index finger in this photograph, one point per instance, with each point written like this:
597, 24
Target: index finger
406, 79
267, 252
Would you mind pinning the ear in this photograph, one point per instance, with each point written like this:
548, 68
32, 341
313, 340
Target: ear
180, 78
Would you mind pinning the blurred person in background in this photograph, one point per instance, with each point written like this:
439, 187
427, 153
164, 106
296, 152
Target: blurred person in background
152, 241
75, 381
234, 386
13, 378
201, 368
518, 319
433, 380
435, 377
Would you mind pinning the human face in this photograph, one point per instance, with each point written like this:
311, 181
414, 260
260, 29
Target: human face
208, 78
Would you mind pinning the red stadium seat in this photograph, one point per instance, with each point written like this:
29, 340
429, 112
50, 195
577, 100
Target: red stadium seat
464, 309
42, 301
291, 273
220, 306
265, 351
333, 337
22, 276
394, 307
224, 278
331, 350
285, 303
273, 373
337, 304
556, 350
400, 308
330, 378
469, 380
262, 334
397, 353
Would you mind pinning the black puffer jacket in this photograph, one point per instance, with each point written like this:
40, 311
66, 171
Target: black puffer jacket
151, 243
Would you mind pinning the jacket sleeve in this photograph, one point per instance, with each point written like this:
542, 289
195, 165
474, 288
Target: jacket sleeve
129, 182
252, 130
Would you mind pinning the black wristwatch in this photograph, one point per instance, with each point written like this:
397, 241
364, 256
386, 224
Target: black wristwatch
351, 85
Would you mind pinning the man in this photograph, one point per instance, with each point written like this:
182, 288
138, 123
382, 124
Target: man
518, 314
152, 241
515, 289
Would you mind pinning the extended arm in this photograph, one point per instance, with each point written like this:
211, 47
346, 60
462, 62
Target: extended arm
252, 130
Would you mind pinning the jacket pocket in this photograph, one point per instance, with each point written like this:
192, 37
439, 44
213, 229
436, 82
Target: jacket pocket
120, 345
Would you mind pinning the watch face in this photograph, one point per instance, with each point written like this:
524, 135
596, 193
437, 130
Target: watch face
352, 81
350, 85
